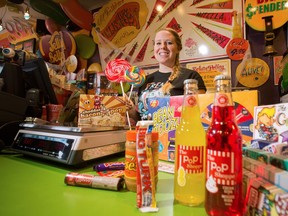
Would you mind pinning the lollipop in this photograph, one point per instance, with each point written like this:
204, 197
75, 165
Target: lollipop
135, 76
115, 70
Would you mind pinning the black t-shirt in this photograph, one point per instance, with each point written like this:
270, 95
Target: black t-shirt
156, 80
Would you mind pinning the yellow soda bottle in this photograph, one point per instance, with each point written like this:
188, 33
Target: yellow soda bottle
190, 148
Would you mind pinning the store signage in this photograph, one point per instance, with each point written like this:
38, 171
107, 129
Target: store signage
237, 48
257, 10
57, 47
120, 21
253, 72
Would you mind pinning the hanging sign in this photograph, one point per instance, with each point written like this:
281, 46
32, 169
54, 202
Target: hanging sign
236, 48
120, 21
253, 72
57, 47
256, 10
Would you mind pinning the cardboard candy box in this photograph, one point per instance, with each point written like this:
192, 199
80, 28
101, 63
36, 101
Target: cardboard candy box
98, 110
166, 113
270, 123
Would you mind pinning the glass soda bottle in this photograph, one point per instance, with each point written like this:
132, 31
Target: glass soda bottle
190, 149
224, 155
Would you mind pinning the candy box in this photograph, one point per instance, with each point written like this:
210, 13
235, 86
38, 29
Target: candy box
165, 112
270, 122
247, 177
259, 143
266, 202
280, 161
97, 110
258, 154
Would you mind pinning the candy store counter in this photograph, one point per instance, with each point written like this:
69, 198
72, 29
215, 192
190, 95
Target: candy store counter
36, 187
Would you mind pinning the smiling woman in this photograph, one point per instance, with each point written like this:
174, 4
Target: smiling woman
169, 78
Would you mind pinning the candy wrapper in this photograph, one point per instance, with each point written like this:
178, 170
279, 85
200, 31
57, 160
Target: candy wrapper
94, 181
146, 186
109, 166
110, 169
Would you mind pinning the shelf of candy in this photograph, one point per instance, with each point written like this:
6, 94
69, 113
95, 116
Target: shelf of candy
264, 198
265, 185
265, 163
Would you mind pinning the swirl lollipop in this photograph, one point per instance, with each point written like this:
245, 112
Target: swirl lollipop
135, 76
115, 70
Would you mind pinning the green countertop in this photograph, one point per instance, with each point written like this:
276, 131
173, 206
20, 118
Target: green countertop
31, 186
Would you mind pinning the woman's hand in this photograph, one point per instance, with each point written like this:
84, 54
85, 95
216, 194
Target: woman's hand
129, 103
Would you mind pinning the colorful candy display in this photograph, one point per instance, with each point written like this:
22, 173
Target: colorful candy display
135, 76
115, 70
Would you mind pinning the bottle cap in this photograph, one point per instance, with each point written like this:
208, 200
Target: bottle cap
222, 77
190, 81
190, 84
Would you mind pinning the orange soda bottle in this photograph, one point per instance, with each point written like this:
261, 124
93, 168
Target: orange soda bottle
190, 149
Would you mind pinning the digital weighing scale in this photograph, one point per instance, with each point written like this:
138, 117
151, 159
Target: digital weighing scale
69, 145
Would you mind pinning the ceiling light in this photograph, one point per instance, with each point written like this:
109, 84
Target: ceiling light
159, 8
27, 14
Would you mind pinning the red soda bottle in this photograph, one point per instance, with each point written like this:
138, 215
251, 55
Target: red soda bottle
224, 155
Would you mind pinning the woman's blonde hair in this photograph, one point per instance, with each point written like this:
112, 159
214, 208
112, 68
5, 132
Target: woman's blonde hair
176, 68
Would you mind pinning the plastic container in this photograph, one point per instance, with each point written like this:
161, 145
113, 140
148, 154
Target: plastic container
130, 161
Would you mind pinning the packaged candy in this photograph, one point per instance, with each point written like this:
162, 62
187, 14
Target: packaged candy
146, 186
109, 166
94, 181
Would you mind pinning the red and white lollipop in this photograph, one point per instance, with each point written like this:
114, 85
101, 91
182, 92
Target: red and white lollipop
115, 70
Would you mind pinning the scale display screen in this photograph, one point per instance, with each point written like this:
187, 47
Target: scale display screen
55, 147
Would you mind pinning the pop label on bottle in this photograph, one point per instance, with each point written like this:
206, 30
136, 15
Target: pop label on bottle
221, 173
190, 161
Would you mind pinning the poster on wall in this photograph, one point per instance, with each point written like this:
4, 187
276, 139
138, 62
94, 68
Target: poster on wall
126, 28
209, 69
